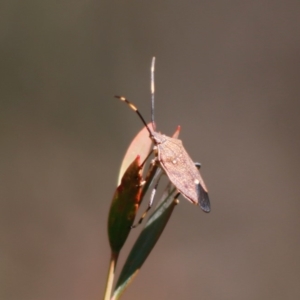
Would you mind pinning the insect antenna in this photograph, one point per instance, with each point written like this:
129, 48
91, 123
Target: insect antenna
152, 93
132, 106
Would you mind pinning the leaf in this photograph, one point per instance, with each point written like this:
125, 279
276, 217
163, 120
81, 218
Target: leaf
124, 206
145, 243
140, 145
176, 133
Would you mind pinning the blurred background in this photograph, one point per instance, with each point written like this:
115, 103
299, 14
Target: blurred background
227, 72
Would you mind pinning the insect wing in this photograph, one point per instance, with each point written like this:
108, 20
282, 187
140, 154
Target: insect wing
203, 198
182, 172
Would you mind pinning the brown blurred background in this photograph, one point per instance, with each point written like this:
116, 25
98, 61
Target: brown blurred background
227, 72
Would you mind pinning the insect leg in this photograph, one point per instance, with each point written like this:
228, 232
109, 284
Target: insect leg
151, 175
142, 165
150, 202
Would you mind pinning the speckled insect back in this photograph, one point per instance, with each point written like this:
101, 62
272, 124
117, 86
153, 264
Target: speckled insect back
181, 170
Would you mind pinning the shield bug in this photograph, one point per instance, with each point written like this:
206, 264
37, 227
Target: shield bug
171, 156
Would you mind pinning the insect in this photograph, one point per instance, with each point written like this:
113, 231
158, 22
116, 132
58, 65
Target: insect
173, 158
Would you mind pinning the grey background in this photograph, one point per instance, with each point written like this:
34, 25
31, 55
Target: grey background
227, 72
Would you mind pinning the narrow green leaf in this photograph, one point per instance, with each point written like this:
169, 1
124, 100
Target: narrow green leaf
145, 243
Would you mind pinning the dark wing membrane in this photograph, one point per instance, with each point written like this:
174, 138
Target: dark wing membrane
203, 198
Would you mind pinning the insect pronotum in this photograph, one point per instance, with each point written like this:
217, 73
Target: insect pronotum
174, 160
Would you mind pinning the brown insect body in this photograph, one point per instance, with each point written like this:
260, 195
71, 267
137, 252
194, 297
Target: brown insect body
174, 160
180, 169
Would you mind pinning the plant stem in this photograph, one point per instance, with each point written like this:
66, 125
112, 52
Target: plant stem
110, 276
